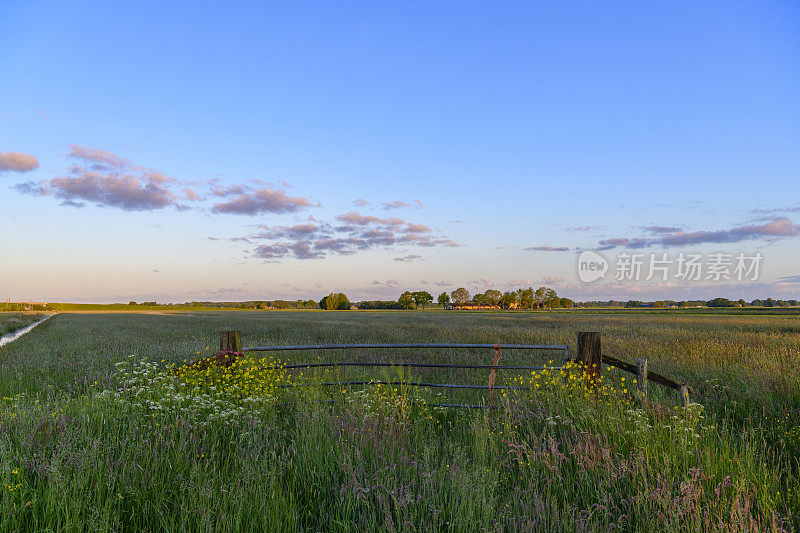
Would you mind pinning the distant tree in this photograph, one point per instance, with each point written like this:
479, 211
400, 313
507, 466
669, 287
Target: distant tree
539, 297
460, 296
443, 299
422, 298
335, 301
742, 303
479, 299
566, 303
720, 302
550, 298
492, 297
406, 300
131, 303
379, 304
526, 298
509, 299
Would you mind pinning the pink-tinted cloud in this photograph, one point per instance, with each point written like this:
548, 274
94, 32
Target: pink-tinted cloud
127, 192
229, 190
360, 202
417, 228
358, 219
356, 233
266, 200
17, 162
108, 180
779, 227
191, 195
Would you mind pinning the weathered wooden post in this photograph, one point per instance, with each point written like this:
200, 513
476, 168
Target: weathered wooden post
589, 353
230, 341
684, 392
641, 376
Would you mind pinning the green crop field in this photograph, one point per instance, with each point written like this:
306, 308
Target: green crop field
98, 432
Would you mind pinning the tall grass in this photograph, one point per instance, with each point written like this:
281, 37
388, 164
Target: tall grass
74, 456
11, 322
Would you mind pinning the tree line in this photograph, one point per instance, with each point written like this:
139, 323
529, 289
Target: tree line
530, 298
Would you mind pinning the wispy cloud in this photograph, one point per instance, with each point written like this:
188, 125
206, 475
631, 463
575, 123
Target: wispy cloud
790, 209
547, 249
661, 229
97, 159
441, 283
397, 204
584, 228
360, 202
608, 244
779, 227
387, 283
408, 258
17, 162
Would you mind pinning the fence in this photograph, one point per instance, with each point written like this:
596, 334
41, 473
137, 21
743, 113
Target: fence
589, 353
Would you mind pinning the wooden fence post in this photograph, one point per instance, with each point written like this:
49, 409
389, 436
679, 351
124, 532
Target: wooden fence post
684, 391
589, 352
641, 375
230, 341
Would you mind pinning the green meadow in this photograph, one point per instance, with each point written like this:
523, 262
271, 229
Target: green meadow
98, 431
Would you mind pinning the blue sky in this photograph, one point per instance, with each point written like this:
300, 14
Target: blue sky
233, 151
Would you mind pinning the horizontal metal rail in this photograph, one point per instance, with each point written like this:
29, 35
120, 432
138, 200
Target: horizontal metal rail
419, 365
405, 345
456, 405
408, 383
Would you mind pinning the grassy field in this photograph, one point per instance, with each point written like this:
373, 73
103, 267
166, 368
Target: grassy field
11, 322
92, 438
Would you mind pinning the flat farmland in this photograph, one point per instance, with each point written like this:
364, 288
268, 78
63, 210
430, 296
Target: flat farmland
92, 436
